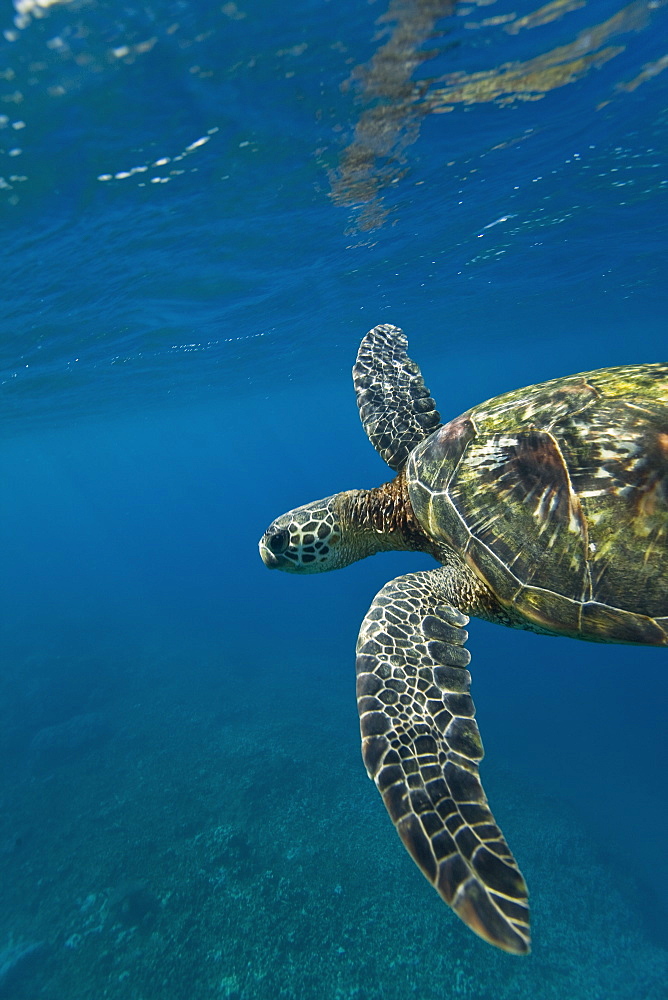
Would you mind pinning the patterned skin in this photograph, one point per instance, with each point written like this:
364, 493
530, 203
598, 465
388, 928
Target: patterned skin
547, 508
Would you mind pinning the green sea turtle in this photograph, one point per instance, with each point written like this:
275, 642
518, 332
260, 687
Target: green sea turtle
547, 509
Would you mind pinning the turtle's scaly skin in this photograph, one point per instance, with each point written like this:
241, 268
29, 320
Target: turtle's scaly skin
396, 420
557, 497
421, 745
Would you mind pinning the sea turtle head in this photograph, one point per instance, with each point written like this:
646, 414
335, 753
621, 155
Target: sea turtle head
308, 539
339, 530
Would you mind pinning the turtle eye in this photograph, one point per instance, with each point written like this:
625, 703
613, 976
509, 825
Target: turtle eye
279, 541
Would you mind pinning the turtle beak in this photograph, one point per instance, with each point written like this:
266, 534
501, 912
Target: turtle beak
268, 557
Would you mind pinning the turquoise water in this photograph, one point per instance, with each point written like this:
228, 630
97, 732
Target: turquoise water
204, 208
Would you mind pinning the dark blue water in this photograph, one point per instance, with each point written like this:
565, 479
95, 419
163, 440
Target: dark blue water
203, 209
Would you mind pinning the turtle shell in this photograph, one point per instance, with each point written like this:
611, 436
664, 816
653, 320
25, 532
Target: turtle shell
556, 496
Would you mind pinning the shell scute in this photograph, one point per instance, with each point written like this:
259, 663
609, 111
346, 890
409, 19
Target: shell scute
549, 611
515, 495
614, 625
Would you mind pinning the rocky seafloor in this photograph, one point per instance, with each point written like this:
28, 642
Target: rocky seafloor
184, 830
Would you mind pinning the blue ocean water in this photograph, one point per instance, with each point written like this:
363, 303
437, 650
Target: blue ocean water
204, 207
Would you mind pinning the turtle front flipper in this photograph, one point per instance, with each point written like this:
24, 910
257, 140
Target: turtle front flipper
421, 745
395, 407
